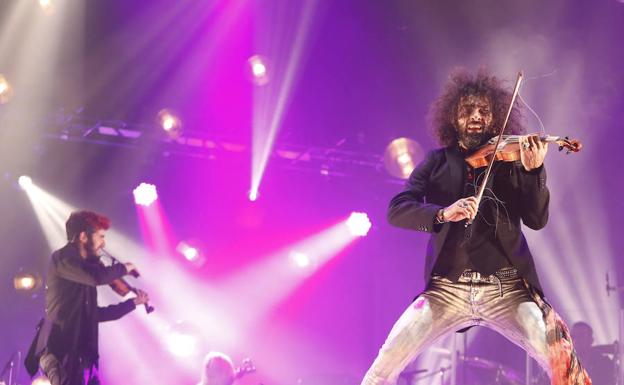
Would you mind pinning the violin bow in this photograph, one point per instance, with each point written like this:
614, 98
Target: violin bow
498, 140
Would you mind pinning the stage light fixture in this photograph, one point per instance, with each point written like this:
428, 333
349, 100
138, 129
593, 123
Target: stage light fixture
46, 5
300, 259
258, 69
401, 157
145, 194
190, 253
6, 91
41, 380
253, 195
170, 123
25, 182
26, 281
358, 224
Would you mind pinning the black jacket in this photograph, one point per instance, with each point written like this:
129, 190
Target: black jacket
438, 182
70, 325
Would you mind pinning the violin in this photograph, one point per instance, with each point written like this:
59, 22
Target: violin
508, 149
122, 287
494, 151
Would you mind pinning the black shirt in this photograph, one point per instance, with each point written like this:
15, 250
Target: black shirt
475, 247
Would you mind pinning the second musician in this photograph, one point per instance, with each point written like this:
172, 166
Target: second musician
66, 344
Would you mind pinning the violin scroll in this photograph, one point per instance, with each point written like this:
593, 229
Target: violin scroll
573, 145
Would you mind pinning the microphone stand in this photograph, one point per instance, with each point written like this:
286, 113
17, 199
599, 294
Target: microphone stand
9, 367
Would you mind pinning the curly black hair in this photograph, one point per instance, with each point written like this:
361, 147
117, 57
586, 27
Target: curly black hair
443, 112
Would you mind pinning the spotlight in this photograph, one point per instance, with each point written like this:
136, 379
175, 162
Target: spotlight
190, 253
300, 259
253, 195
182, 339
401, 156
40, 381
258, 70
25, 182
6, 92
170, 123
46, 5
358, 224
26, 282
145, 194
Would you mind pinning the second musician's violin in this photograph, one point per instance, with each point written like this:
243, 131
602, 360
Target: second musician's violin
122, 287
509, 149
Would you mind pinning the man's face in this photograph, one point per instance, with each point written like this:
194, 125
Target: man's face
474, 120
95, 242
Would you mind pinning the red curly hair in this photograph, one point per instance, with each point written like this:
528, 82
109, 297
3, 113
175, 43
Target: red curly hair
85, 220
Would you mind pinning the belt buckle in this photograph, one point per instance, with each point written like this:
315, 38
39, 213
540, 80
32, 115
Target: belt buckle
507, 273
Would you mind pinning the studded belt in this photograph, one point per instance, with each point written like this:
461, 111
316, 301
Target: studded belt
504, 273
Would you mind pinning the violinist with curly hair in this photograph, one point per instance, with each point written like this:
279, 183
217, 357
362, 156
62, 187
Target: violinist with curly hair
482, 274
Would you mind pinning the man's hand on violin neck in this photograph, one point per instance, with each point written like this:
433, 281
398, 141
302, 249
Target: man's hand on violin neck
462, 209
141, 297
532, 152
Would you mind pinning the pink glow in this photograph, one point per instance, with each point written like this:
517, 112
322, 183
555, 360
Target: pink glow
156, 231
420, 303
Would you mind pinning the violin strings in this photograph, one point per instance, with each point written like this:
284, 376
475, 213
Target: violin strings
534, 113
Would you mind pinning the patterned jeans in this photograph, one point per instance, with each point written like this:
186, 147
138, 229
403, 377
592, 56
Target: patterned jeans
502, 302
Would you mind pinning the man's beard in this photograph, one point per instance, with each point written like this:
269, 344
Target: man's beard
472, 140
90, 248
